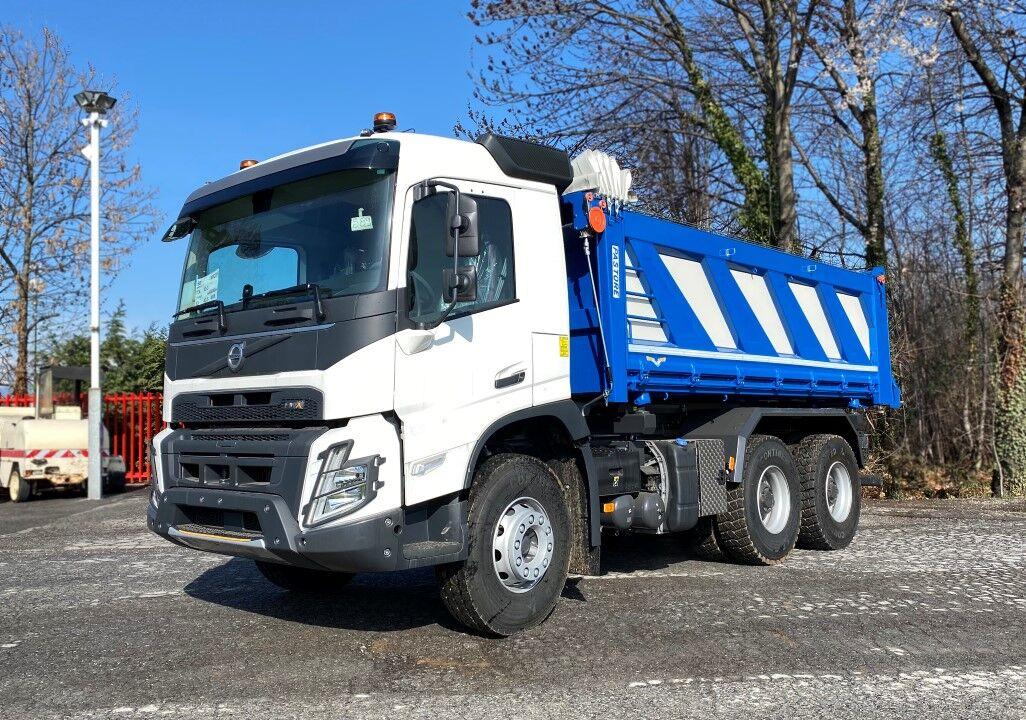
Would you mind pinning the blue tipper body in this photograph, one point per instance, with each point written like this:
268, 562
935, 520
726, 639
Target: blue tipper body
690, 313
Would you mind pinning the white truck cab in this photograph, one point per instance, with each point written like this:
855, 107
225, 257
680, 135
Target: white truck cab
272, 400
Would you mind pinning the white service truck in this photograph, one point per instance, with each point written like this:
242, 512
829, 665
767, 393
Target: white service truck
396, 350
39, 453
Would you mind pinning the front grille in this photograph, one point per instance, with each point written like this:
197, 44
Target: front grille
246, 459
241, 436
215, 520
228, 470
215, 530
288, 404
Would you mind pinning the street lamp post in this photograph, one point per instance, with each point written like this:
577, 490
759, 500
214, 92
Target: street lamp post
36, 287
96, 103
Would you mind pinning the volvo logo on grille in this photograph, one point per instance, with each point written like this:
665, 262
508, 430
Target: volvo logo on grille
236, 354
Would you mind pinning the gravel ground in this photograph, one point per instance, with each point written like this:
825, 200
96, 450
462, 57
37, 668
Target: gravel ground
923, 616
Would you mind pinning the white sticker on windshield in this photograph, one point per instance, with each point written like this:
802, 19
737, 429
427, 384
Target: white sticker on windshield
361, 222
206, 288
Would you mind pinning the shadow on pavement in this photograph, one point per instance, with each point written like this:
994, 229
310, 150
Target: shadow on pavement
402, 600
636, 553
382, 603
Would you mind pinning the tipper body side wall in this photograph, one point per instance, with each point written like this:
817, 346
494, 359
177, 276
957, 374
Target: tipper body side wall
689, 313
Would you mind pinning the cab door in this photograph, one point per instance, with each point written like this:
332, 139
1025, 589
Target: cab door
454, 381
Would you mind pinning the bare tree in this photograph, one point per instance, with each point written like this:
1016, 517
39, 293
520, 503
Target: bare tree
992, 36
851, 41
767, 39
644, 74
44, 210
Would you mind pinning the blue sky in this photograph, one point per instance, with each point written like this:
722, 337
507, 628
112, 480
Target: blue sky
216, 82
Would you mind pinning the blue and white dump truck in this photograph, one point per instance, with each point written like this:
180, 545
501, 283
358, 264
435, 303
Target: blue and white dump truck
396, 350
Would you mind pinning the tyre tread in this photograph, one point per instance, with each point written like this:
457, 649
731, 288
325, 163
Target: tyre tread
732, 530
454, 579
812, 535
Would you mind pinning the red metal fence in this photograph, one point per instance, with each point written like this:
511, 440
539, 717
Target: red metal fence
132, 419
17, 401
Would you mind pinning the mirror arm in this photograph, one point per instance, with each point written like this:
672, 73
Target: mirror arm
455, 230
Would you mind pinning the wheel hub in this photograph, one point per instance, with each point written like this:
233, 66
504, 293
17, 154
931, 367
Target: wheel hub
522, 544
839, 492
774, 499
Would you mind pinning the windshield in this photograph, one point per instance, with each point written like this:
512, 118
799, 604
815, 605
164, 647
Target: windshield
330, 230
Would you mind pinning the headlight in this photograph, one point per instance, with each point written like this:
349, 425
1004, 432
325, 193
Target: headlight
342, 485
154, 484
154, 490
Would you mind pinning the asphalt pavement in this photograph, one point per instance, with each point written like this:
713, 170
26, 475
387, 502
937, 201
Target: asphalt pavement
922, 617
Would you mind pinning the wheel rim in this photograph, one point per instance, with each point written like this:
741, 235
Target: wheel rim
774, 498
14, 484
522, 545
838, 492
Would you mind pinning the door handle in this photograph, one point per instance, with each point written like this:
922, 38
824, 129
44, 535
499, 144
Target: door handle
510, 380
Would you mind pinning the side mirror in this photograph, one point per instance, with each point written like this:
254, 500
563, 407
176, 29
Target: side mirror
179, 229
463, 219
463, 281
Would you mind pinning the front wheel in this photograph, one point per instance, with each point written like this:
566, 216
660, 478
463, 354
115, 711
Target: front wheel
302, 580
519, 548
19, 488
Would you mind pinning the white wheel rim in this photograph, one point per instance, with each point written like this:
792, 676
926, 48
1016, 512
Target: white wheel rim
522, 545
774, 498
838, 492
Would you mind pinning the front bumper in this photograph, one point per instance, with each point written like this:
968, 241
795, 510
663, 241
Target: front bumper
238, 492
366, 545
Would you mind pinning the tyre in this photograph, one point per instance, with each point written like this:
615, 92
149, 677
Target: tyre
831, 493
763, 514
702, 541
302, 580
519, 548
19, 488
584, 559
115, 483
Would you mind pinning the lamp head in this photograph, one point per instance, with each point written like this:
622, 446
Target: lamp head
95, 101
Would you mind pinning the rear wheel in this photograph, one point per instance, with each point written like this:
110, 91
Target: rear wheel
763, 516
830, 490
702, 541
519, 548
302, 580
19, 488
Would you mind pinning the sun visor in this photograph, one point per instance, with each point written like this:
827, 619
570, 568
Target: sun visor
342, 155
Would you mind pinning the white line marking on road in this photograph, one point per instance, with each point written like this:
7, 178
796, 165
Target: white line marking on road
976, 679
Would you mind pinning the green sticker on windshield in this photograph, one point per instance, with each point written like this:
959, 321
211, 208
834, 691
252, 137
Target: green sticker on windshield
361, 222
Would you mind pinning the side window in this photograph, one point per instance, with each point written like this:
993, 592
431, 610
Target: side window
494, 265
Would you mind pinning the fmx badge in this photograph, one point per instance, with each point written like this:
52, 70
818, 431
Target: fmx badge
614, 252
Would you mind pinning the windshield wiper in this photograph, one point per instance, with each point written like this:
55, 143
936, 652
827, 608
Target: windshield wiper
222, 321
311, 288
